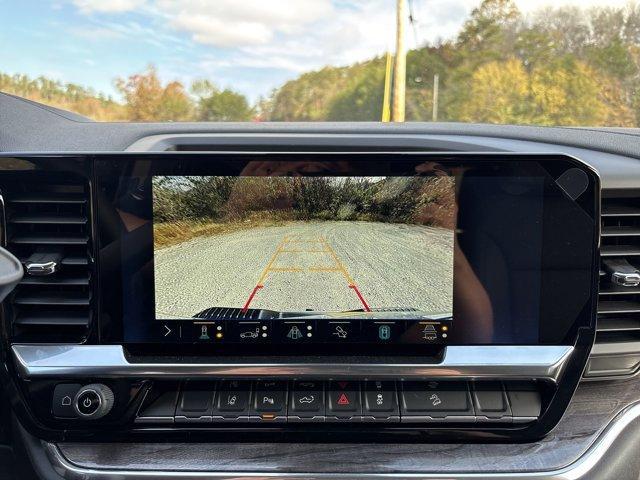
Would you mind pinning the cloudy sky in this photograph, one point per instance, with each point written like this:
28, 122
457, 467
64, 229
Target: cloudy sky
250, 45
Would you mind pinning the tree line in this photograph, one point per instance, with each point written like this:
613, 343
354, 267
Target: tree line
413, 200
557, 66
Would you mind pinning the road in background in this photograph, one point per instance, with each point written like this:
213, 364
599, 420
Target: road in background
326, 266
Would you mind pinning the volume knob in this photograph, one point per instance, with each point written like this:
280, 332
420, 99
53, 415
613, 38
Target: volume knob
93, 401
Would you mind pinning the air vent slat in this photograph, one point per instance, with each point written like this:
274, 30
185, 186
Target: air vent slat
48, 221
615, 231
617, 290
610, 307
75, 261
49, 239
65, 319
55, 280
619, 210
619, 250
52, 298
69, 260
618, 324
62, 198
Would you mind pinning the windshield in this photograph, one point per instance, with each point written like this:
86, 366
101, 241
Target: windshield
566, 62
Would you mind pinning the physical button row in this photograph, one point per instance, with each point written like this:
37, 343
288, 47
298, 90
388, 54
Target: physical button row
342, 401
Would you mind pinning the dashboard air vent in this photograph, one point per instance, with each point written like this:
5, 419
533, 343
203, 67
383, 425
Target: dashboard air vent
48, 229
617, 348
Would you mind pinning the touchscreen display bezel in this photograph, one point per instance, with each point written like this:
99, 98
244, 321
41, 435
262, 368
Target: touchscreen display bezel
112, 171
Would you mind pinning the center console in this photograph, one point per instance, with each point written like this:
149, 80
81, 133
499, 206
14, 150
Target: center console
430, 295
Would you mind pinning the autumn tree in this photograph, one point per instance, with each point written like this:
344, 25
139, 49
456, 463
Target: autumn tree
555, 66
65, 96
573, 93
498, 94
147, 99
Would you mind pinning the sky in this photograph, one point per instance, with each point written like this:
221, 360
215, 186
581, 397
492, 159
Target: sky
251, 46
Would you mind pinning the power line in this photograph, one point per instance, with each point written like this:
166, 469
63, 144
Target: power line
412, 21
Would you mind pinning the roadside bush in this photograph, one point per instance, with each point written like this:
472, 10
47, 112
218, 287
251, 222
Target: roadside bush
346, 212
417, 200
252, 194
206, 197
437, 204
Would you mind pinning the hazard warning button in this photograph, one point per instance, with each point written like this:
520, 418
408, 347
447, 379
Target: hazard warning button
343, 401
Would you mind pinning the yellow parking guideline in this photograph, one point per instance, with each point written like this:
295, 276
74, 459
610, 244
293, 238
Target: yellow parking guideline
265, 272
325, 269
337, 260
326, 249
303, 251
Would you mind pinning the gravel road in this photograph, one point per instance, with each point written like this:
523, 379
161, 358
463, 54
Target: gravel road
309, 265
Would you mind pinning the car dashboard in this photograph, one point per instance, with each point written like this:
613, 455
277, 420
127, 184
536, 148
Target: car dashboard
319, 353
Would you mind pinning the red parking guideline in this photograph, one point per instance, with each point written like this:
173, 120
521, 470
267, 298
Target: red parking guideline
253, 294
364, 303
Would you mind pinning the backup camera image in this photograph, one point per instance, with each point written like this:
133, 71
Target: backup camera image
345, 247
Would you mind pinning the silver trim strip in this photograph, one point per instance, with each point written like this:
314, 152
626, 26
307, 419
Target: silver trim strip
109, 361
599, 453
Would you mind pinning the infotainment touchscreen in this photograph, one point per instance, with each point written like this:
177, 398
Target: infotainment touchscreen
334, 249
366, 253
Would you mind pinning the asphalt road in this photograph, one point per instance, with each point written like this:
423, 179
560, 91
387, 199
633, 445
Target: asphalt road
308, 265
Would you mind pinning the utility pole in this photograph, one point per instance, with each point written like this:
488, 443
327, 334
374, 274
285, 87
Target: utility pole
399, 68
436, 79
386, 112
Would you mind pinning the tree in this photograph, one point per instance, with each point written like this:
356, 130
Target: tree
148, 100
573, 93
489, 27
220, 106
310, 97
66, 96
361, 101
498, 94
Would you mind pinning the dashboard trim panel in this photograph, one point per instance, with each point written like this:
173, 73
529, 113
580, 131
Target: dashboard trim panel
599, 461
110, 361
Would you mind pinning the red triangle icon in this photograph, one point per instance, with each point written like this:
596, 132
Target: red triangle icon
343, 385
343, 400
